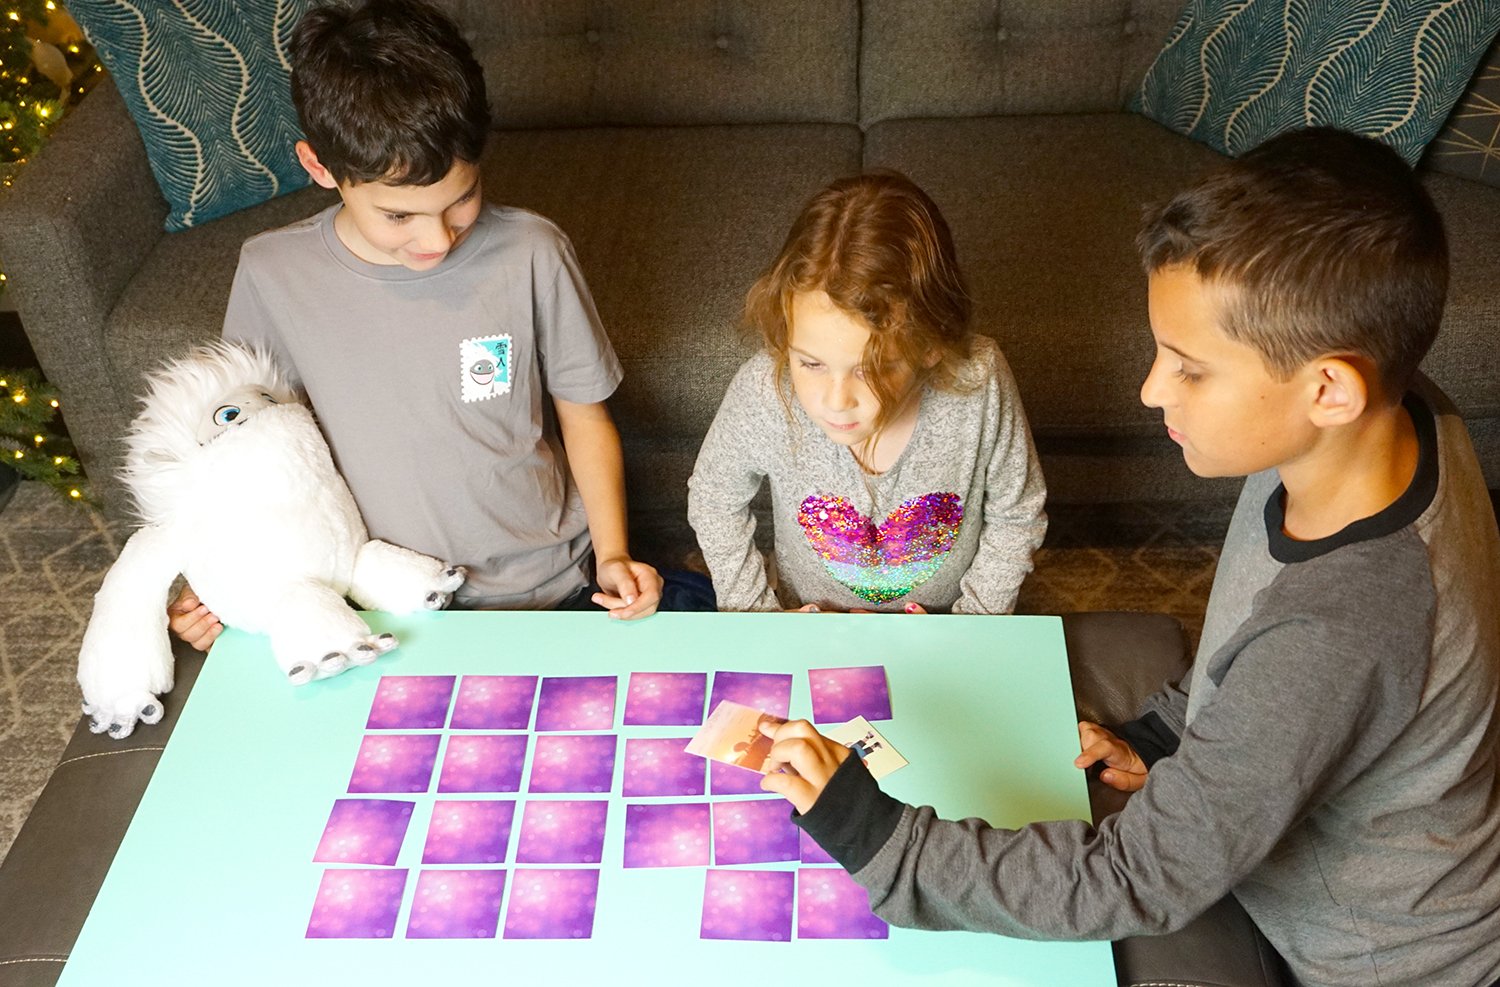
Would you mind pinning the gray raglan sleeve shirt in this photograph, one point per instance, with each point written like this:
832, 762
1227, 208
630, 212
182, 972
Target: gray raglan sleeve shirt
1306, 700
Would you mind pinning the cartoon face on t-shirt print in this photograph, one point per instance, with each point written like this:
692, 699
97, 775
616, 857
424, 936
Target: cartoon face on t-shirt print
484, 367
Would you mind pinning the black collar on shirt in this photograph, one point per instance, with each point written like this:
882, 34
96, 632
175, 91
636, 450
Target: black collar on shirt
1402, 512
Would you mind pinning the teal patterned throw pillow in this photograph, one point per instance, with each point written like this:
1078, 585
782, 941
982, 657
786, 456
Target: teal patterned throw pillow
208, 84
1235, 72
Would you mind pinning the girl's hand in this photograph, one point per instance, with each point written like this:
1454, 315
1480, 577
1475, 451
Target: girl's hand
801, 762
631, 589
1123, 767
915, 608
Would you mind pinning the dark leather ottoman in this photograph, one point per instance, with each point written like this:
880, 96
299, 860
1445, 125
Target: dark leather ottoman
58, 861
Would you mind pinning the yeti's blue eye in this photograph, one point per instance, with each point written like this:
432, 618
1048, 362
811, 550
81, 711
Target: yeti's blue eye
226, 415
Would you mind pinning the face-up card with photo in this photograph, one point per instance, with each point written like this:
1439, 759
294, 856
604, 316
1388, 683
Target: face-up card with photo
878, 754
732, 734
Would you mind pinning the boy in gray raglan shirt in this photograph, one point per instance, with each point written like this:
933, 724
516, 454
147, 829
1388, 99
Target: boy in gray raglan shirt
1332, 761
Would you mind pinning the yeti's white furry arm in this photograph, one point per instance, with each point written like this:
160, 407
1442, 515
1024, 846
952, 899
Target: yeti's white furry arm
237, 491
126, 660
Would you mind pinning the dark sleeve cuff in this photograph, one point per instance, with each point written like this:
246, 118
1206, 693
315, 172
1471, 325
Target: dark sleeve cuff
1150, 736
853, 818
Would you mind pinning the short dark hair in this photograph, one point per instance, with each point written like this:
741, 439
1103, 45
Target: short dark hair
1326, 244
388, 90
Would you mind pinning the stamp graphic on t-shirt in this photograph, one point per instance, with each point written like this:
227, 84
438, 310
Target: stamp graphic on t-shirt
484, 367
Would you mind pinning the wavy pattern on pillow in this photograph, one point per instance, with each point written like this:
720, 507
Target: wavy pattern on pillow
207, 82
1236, 72
1469, 143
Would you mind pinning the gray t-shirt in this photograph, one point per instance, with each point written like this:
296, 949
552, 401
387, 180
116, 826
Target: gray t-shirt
952, 524
1338, 770
433, 389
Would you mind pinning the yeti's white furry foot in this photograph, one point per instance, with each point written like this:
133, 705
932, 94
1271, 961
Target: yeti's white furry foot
368, 650
362, 652
118, 719
450, 579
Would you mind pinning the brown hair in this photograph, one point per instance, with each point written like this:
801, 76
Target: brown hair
388, 90
881, 250
1326, 244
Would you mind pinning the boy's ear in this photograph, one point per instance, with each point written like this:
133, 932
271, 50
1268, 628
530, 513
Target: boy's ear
1342, 391
308, 158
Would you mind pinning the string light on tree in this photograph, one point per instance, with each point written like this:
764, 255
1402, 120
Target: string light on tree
31, 447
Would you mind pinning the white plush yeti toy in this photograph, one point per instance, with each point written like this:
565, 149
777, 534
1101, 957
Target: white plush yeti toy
237, 491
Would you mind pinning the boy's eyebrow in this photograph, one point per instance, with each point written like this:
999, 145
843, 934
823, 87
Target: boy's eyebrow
1186, 356
462, 196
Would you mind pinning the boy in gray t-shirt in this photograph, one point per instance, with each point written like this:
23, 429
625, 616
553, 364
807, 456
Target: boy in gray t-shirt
450, 349
1333, 760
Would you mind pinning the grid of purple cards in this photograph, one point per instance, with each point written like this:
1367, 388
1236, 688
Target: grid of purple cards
495, 792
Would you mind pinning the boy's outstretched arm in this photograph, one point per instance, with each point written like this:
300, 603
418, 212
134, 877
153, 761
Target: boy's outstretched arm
631, 588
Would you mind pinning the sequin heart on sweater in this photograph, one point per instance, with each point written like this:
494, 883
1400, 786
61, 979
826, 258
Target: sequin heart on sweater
883, 562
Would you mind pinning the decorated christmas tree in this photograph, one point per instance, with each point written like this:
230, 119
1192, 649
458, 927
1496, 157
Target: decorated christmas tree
45, 65
27, 444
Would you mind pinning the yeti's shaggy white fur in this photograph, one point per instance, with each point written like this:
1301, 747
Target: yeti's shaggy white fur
236, 490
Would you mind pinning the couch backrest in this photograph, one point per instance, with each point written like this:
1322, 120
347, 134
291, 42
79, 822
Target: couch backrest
552, 63
946, 58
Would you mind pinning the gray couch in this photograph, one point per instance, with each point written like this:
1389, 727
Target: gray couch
675, 141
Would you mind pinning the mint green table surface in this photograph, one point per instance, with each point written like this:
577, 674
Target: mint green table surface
215, 882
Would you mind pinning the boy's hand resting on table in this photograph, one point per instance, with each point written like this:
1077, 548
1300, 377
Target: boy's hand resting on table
800, 763
631, 589
191, 621
1123, 767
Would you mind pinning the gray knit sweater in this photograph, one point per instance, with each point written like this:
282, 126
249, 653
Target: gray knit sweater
1337, 769
952, 524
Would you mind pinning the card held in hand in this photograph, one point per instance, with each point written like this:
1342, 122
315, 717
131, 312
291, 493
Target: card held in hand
732, 734
863, 739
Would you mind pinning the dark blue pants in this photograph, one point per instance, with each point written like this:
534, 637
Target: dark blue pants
681, 591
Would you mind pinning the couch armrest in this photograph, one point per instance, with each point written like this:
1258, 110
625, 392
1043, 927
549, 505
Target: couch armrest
55, 867
74, 230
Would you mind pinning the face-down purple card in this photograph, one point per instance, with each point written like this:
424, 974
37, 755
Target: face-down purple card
660, 766
831, 906
665, 698
364, 831
769, 692
456, 904
411, 702
754, 831
580, 702
747, 904
355, 903
394, 762
562, 831
484, 762
552, 904
494, 702
667, 834
564, 763
469, 832
841, 694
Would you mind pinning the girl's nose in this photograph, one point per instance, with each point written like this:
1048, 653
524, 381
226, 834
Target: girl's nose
840, 395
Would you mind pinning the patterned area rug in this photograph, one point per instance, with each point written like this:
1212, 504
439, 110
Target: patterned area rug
53, 556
